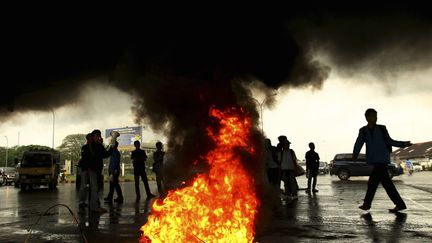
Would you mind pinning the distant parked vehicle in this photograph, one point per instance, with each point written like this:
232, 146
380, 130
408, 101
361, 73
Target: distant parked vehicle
323, 168
417, 167
7, 175
2, 179
344, 167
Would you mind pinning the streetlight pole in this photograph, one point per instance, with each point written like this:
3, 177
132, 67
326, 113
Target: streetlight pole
53, 129
261, 104
7, 147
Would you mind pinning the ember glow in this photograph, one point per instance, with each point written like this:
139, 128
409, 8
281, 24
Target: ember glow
219, 206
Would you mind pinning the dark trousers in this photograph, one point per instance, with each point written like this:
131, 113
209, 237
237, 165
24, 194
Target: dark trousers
143, 175
312, 174
273, 176
100, 180
290, 182
159, 182
380, 174
114, 184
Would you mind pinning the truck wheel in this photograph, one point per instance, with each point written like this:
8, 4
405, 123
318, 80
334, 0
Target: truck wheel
52, 186
344, 175
23, 187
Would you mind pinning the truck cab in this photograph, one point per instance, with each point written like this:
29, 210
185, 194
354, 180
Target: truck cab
38, 168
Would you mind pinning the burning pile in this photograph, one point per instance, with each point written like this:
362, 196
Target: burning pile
218, 207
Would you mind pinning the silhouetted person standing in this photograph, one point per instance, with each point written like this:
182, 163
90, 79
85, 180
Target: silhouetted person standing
92, 155
139, 157
81, 162
281, 141
378, 149
312, 165
99, 153
114, 172
158, 157
272, 166
288, 163
87, 175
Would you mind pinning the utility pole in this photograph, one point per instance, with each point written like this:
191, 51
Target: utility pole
261, 104
53, 129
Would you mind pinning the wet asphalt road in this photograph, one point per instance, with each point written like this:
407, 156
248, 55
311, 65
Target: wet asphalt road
329, 216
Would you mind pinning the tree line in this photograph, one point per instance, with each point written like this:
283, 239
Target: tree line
70, 149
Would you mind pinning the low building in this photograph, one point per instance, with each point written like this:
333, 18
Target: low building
419, 153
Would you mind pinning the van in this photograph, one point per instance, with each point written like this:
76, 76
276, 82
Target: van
344, 167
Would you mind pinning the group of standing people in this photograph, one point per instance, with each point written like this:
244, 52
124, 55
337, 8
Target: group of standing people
281, 165
281, 162
91, 165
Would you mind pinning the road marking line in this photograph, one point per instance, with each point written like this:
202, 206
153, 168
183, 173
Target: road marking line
418, 204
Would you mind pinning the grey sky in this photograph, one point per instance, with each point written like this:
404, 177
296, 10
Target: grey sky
330, 117
100, 106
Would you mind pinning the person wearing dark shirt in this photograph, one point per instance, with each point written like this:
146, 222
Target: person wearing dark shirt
378, 149
114, 172
92, 155
158, 157
281, 141
81, 163
139, 157
97, 154
312, 165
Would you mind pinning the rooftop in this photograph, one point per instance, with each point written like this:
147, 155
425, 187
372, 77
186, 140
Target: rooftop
415, 151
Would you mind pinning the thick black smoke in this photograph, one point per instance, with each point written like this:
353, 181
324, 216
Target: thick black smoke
383, 41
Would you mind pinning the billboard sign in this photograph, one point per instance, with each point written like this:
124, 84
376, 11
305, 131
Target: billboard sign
128, 135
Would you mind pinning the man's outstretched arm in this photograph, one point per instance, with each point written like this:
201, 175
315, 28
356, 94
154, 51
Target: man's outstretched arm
395, 143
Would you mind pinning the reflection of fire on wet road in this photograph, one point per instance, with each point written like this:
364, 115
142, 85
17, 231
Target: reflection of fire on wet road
219, 206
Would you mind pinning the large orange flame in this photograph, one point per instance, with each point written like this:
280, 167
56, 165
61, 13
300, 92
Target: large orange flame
218, 207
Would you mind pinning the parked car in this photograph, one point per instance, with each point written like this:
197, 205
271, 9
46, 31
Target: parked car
2, 178
344, 167
323, 168
7, 175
